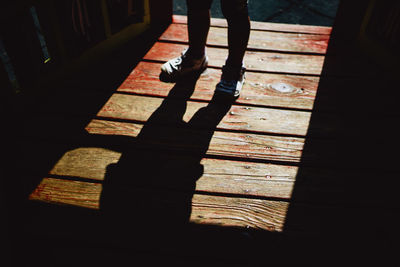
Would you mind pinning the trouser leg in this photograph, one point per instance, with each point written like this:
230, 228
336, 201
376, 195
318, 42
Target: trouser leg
198, 26
236, 13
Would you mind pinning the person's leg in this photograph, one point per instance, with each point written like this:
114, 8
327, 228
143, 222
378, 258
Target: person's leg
198, 26
194, 59
236, 13
233, 73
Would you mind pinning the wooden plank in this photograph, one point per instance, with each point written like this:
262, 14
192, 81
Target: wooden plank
219, 176
239, 212
254, 61
239, 118
85, 162
247, 178
227, 211
250, 146
265, 40
264, 89
66, 192
270, 215
266, 26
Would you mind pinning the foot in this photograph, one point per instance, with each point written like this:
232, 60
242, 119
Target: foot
232, 81
181, 66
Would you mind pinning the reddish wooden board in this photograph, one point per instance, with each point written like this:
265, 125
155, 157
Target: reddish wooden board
239, 145
254, 61
264, 89
66, 192
250, 166
258, 213
229, 211
265, 40
239, 118
266, 26
219, 176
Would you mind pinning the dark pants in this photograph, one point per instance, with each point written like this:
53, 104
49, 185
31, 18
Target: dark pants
231, 9
236, 14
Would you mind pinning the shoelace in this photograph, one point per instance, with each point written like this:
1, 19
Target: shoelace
176, 62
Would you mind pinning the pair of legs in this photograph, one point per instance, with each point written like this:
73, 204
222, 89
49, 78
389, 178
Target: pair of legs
236, 14
194, 59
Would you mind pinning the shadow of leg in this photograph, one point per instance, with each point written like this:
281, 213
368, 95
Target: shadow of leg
147, 195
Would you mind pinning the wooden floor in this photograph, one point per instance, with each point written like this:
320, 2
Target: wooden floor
168, 155
268, 123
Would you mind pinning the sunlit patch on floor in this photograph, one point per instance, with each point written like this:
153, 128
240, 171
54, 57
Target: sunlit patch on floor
250, 161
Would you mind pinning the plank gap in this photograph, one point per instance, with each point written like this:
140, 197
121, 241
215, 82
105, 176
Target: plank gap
74, 178
243, 196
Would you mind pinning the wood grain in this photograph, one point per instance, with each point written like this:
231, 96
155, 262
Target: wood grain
255, 61
220, 176
66, 192
239, 118
266, 26
264, 89
243, 212
239, 212
250, 146
85, 162
265, 40
228, 211
256, 172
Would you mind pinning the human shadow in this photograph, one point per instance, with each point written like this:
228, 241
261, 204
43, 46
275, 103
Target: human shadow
147, 194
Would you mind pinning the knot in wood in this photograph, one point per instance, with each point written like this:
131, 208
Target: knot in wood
282, 87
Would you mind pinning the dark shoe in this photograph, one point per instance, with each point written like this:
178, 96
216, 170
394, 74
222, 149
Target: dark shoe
232, 81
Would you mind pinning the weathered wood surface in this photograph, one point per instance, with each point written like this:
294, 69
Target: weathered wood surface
66, 192
239, 118
240, 145
219, 176
266, 26
85, 162
259, 213
244, 212
264, 89
254, 61
240, 212
252, 160
228, 211
265, 40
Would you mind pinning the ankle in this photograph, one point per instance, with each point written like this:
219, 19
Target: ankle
196, 54
232, 72
234, 65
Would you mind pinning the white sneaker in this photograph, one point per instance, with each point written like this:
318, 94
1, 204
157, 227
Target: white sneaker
179, 67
